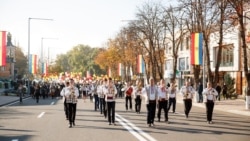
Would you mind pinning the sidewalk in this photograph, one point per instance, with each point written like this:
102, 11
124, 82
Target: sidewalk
4, 100
236, 106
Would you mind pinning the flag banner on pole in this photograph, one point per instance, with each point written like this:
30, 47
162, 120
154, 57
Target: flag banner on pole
33, 64
140, 64
109, 72
44, 68
196, 49
3, 48
120, 69
88, 74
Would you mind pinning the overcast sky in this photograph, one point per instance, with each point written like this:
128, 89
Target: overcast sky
88, 22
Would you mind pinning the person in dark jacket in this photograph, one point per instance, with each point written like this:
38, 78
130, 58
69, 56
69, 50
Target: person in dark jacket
218, 89
37, 92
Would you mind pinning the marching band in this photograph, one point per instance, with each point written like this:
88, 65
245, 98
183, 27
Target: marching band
157, 96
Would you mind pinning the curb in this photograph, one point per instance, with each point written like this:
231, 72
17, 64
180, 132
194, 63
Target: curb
1, 105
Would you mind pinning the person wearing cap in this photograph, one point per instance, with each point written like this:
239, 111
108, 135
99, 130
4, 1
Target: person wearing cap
71, 94
151, 101
110, 95
187, 93
209, 99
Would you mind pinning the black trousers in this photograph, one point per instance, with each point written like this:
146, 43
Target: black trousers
128, 99
163, 105
138, 104
66, 109
96, 104
172, 101
72, 112
111, 111
102, 105
151, 107
209, 110
188, 106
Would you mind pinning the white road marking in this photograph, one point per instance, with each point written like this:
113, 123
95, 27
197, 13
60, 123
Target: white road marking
52, 103
14, 140
133, 132
136, 128
39, 116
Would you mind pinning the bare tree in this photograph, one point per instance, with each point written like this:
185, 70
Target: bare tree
150, 31
173, 23
202, 16
238, 6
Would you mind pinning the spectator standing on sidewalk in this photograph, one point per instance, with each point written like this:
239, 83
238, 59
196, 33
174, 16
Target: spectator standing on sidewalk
209, 99
20, 91
224, 91
200, 89
218, 89
187, 92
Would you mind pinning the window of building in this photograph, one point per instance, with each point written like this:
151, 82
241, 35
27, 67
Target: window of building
227, 55
182, 64
169, 65
187, 63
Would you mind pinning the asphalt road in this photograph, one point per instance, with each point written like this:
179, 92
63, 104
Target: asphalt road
45, 121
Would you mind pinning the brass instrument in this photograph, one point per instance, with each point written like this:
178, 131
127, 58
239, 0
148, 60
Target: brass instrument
72, 92
186, 93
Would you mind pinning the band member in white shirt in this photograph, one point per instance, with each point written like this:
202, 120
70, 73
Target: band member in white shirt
66, 109
209, 95
162, 100
100, 92
138, 96
172, 97
110, 96
152, 99
71, 95
187, 92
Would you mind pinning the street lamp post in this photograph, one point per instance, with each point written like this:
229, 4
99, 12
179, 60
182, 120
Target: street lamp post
41, 60
29, 47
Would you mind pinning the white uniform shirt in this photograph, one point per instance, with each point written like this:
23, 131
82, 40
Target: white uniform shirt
209, 94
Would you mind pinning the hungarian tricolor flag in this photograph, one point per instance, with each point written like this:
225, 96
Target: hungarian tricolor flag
2, 48
33, 64
196, 49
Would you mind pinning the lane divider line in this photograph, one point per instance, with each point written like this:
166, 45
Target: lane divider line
39, 116
136, 128
133, 132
